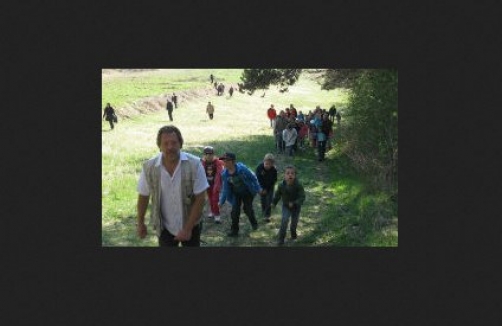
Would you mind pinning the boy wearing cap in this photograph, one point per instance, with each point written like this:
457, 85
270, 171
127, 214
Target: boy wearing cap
239, 186
213, 167
266, 174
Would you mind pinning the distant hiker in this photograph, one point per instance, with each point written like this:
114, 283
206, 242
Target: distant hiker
215, 85
331, 113
240, 186
266, 173
231, 91
271, 114
292, 193
280, 124
176, 183
288, 112
220, 89
323, 131
210, 110
212, 78
302, 134
293, 111
213, 167
109, 114
338, 118
169, 108
174, 98
327, 127
289, 136
300, 116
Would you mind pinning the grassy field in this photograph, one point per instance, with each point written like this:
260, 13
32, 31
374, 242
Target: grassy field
338, 210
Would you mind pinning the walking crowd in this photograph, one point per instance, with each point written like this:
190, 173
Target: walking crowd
176, 185
179, 184
295, 131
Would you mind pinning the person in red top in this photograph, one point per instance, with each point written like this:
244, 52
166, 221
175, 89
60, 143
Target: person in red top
302, 133
271, 114
213, 167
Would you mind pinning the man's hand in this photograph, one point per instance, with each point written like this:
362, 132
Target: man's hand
183, 235
141, 230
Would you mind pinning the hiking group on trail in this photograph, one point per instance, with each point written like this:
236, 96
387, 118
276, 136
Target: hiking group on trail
178, 184
292, 129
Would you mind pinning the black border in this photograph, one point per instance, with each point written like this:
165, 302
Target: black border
64, 274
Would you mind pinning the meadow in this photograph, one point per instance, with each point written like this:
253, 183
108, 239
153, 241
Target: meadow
338, 211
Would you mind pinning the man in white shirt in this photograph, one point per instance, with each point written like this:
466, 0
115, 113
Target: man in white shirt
176, 183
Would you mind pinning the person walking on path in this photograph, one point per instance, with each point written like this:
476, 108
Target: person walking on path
169, 108
289, 136
266, 173
292, 193
240, 186
332, 113
280, 124
174, 98
231, 91
213, 167
271, 114
210, 110
176, 184
109, 115
212, 78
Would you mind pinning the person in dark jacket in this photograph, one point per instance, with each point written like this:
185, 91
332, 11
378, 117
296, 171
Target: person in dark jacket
292, 193
174, 98
110, 115
267, 178
169, 108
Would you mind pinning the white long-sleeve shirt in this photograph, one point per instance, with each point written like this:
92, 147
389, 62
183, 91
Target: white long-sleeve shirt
289, 136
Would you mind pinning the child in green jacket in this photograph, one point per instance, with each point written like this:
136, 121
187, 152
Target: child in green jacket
291, 191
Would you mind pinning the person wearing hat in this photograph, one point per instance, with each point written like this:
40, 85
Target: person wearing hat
176, 184
213, 167
239, 186
266, 173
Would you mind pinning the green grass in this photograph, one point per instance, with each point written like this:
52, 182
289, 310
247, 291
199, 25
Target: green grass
338, 211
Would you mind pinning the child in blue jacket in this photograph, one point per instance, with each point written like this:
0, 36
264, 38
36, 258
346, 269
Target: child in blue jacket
239, 187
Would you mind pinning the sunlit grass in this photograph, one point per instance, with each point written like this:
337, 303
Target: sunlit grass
335, 211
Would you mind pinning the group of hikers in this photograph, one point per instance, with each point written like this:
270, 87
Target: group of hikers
172, 103
220, 88
293, 130
178, 183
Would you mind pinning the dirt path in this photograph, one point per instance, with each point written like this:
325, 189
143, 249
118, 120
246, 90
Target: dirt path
157, 103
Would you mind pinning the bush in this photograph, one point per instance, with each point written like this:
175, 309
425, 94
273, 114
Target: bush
371, 131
